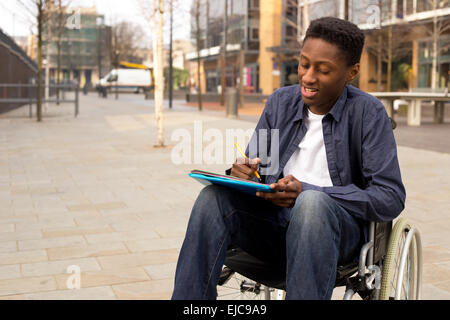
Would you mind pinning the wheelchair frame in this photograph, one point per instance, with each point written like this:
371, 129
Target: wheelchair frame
375, 264
367, 283
368, 277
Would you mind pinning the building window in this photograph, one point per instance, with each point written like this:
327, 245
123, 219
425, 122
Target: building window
254, 4
291, 32
424, 6
400, 9
291, 11
409, 7
255, 34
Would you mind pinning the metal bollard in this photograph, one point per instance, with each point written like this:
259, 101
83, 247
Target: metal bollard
231, 96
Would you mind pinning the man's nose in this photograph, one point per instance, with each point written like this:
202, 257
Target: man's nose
309, 76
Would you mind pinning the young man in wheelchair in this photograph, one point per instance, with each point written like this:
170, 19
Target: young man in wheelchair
337, 171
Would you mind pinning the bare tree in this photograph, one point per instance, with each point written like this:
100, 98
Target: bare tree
59, 20
44, 10
153, 11
396, 48
115, 52
196, 13
439, 27
158, 20
126, 39
223, 65
41, 6
387, 42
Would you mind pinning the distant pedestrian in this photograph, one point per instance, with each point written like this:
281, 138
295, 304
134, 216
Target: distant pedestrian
85, 88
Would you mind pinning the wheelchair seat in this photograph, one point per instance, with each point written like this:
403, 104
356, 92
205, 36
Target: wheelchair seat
266, 273
274, 275
269, 274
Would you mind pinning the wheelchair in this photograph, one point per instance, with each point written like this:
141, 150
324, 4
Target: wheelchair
389, 267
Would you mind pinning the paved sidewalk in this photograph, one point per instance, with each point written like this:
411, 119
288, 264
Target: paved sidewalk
93, 193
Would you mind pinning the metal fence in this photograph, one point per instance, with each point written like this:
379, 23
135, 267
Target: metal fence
21, 94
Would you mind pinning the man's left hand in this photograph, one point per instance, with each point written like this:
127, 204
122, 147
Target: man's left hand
286, 192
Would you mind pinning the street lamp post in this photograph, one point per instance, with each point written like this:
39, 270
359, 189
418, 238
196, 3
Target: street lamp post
117, 52
224, 55
47, 82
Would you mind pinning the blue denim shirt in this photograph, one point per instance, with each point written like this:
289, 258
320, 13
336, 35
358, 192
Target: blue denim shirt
360, 149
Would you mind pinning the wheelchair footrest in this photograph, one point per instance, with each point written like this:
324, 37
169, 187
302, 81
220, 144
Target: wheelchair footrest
225, 275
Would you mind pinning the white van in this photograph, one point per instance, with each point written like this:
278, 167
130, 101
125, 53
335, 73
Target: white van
135, 79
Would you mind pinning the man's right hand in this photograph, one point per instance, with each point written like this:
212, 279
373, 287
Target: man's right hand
245, 168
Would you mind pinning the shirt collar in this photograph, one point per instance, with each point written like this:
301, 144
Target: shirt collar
338, 107
335, 111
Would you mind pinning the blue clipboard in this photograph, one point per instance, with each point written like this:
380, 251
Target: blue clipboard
246, 186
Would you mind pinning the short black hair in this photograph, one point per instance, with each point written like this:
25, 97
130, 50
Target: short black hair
344, 34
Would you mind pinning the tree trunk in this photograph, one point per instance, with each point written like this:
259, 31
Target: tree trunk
224, 56
60, 23
47, 65
40, 18
380, 48
198, 39
241, 77
58, 69
159, 67
389, 70
435, 49
171, 57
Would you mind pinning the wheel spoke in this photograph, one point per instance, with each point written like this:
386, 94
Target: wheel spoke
238, 291
397, 259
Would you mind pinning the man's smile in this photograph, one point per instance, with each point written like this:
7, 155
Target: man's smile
309, 92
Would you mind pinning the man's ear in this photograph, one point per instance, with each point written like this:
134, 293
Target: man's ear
352, 72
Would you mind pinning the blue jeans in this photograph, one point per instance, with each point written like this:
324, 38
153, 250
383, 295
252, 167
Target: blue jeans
320, 235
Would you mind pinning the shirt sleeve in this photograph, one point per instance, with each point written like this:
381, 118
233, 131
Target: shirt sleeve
265, 123
383, 197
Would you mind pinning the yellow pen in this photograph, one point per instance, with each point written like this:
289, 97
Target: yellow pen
242, 152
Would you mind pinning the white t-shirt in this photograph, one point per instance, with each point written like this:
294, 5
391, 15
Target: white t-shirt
309, 162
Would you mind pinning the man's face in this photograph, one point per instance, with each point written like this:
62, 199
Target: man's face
323, 73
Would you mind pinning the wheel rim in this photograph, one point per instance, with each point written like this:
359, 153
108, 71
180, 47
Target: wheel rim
404, 289
404, 241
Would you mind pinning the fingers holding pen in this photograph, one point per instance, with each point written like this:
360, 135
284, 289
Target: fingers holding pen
245, 168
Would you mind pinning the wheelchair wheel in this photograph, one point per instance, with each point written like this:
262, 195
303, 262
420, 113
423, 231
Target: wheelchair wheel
238, 287
402, 269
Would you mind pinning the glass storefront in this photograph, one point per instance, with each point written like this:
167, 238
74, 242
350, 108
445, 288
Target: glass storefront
290, 73
426, 61
213, 22
212, 80
242, 33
